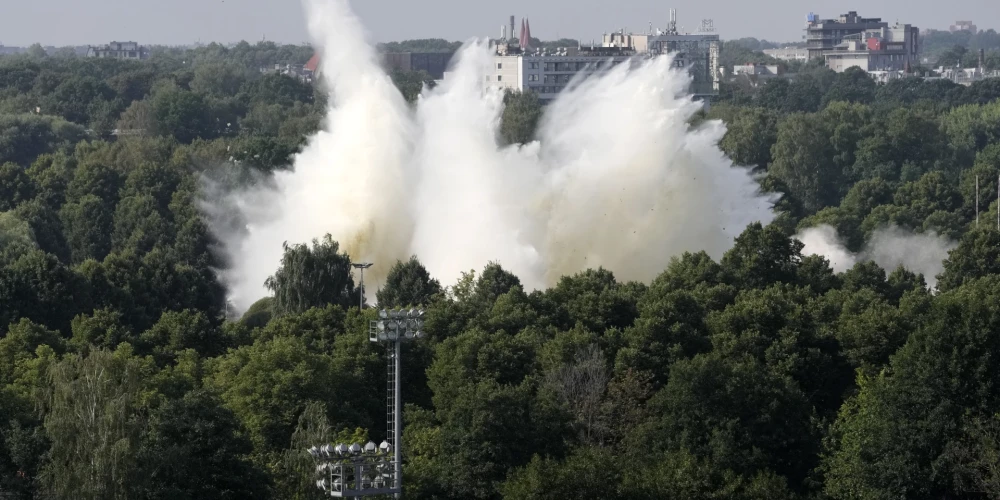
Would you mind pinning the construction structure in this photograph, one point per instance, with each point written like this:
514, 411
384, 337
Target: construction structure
519, 66
825, 35
881, 49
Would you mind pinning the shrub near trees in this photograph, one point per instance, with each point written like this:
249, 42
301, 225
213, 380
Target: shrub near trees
762, 375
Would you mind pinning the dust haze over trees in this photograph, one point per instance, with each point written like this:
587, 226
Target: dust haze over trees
763, 375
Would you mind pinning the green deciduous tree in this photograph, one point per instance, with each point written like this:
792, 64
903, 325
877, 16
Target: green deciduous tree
94, 425
182, 114
15, 186
892, 439
194, 449
521, 114
25, 137
762, 256
312, 277
89, 227
408, 284
852, 85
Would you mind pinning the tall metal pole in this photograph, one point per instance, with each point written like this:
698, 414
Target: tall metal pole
361, 266
397, 432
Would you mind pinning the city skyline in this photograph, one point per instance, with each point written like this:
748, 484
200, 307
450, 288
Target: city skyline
181, 22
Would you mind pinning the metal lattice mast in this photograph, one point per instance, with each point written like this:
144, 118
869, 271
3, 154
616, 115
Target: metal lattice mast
390, 395
397, 423
352, 471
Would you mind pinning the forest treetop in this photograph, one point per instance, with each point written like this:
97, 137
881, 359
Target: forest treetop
761, 375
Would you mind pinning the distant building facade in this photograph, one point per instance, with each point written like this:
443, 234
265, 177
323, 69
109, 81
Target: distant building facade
884, 49
756, 74
434, 63
699, 52
788, 54
517, 66
755, 69
963, 26
964, 76
824, 35
311, 69
548, 73
119, 50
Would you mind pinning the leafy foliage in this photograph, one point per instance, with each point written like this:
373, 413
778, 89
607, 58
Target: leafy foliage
762, 374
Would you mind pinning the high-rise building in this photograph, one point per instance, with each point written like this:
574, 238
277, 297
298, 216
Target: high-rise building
824, 35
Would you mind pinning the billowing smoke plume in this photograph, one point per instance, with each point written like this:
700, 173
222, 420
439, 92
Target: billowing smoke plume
617, 179
889, 247
822, 240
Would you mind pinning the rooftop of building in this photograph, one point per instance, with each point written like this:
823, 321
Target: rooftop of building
851, 17
313, 63
585, 51
117, 46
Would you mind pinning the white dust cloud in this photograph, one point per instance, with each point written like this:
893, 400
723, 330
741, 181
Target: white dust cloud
822, 240
889, 247
617, 178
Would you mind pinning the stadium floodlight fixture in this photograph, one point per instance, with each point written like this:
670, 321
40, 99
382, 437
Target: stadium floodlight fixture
355, 470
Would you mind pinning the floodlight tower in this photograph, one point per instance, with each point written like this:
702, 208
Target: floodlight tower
361, 266
353, 471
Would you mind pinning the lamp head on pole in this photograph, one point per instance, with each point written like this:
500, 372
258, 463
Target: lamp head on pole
397, 325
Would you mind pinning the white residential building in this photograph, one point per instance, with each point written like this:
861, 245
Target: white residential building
547, 74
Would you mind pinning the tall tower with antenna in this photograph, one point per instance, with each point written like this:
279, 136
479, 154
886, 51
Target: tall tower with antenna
672, 27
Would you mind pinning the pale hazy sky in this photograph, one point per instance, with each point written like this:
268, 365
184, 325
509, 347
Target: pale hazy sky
81, 22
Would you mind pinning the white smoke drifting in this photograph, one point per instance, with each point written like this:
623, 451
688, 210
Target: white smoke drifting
617, 179
823, 241
889, 247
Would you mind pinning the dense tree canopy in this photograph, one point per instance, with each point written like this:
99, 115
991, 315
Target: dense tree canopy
762, 374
